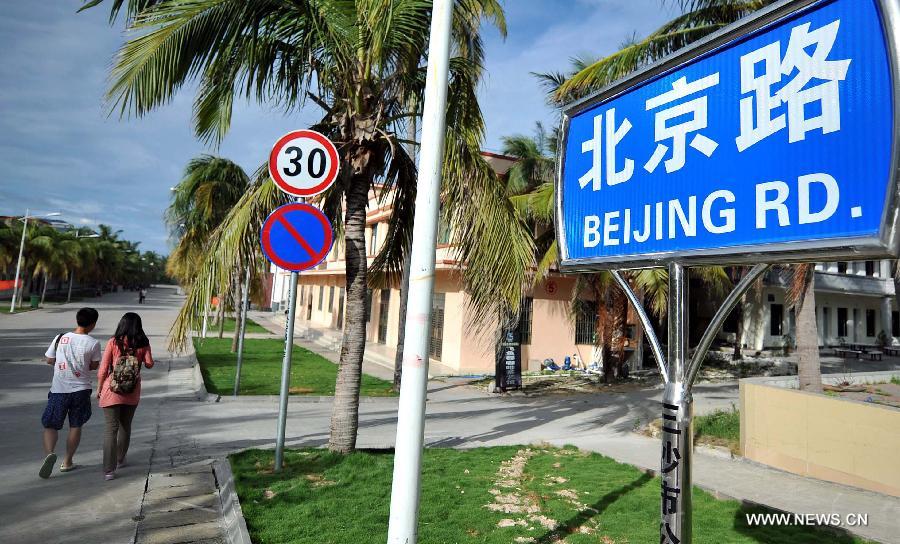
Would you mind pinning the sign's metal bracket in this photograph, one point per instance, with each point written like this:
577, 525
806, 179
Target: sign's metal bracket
732, 300
709, 334
649, 333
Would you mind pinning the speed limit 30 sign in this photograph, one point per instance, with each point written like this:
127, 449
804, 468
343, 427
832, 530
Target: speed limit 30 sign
303, 163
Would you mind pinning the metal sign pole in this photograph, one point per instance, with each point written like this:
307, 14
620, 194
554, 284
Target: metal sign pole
677, 413
286, 373
245, 297
404, 513
678, 374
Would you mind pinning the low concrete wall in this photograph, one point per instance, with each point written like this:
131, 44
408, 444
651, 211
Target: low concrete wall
843, 441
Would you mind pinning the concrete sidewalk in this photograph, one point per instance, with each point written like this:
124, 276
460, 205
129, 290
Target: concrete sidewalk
159, 497
463, 417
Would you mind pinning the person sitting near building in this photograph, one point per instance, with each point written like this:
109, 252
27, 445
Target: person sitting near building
73, 356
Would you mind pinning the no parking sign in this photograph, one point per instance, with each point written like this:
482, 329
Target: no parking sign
296, 237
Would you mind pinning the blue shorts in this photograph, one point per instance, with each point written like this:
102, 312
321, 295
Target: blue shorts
76, 405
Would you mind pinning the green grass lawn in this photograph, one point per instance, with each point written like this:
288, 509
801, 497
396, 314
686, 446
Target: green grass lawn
311, 374
722, 428
572, 496
252, 326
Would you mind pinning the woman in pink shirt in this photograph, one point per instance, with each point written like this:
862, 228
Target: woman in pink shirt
120, 387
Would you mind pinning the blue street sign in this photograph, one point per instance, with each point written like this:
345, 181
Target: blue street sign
771, 142
296, 237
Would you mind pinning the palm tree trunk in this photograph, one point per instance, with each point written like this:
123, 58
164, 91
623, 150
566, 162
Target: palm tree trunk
44, 290
236, 303
220, 315
401, 333
345, 409
618, 322
808, 369
404, 283
739, 335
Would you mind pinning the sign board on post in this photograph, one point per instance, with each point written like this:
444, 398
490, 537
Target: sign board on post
297, 236
509, 360
774, 140
303, 163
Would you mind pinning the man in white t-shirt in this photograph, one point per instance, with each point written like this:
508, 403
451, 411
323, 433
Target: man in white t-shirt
74, 355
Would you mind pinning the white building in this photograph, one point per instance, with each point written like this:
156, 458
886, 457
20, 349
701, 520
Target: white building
855, 301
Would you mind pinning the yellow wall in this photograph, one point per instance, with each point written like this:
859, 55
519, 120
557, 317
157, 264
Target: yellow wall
848, 442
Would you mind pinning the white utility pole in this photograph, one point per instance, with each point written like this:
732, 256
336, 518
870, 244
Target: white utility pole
12, 306
403, 523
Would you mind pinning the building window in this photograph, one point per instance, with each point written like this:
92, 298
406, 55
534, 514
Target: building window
373, 239
842, 322
585, 322
895, 323
776, 320
525, 320
870, 322
321, 296
842, 267
309, 304
870, 268
331, 298
340, 316
826, 322
383, 304
437, 326
443, 235
368, 305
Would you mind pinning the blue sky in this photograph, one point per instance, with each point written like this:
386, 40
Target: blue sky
60, 151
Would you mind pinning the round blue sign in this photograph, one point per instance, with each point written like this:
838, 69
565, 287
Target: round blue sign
296, 237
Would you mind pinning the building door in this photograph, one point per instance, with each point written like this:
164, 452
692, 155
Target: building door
340, 315
842, 323
383, 305
436, 342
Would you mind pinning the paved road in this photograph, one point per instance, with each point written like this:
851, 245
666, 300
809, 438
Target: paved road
32, 510
77, 506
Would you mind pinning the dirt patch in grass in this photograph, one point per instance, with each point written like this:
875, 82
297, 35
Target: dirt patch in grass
887, 394
499, 495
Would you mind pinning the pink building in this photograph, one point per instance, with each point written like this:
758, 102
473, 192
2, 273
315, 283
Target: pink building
547, 329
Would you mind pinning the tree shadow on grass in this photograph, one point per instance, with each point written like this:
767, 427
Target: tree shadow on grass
787, 533
572, 524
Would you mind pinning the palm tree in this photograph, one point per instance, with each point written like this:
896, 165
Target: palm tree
533, 195
361, 62
200, 201
700, 18
802, 295
208, 189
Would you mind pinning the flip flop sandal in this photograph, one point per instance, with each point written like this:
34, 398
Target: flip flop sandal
47, 466
68, 468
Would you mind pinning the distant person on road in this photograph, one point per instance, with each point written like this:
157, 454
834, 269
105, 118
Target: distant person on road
142, 294
73, 356
119, 380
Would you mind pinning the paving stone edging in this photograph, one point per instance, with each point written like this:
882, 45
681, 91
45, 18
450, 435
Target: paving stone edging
233, 524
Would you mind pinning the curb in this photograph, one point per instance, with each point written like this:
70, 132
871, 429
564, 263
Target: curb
199, 385
233, 524
301, 399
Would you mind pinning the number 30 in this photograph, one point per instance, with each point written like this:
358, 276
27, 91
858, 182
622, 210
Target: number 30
315, 163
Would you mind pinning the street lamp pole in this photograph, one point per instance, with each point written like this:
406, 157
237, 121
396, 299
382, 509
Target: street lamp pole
12, 306
16, 290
